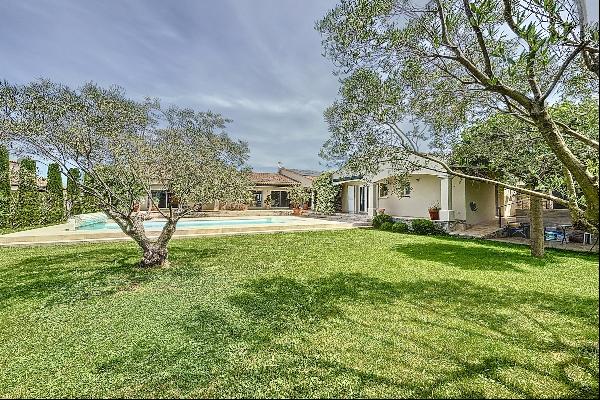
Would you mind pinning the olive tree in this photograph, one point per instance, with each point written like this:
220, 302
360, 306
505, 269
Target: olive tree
511, 151
126, 147
431, 71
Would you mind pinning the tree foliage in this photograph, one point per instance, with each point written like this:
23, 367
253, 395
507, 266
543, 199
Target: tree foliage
74, 191
512, 151
125, 147
29, 204
428, 72
4, 188
54, 195
298, 195
325, 193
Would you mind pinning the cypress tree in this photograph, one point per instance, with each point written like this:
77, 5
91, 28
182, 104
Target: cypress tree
4, 188
74, 191
90, 203
29, 207
55, 195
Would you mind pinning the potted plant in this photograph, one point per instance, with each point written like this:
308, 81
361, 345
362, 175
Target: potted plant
268, 202
298, 197
434, 211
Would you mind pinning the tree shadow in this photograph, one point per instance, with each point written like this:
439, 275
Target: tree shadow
474, 255
79, 273
278, 305
243, 351
282, 303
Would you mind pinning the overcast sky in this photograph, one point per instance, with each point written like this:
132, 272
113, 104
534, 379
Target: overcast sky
258, 63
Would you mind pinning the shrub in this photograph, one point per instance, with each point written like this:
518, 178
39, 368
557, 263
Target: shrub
4, 188
326, 193
426, 227
400, 227
89, 202
298, 196
387, 226
54, 196
379, 219
29, 206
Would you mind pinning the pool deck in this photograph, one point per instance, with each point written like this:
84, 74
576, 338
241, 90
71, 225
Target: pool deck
59, 234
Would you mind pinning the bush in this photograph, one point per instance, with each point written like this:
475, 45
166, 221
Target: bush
400, 227
379, 219
426, 227
5, 216
29, 211
325, 193
55, 207
387, 226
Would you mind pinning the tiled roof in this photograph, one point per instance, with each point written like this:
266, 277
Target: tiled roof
270, 178
309, 173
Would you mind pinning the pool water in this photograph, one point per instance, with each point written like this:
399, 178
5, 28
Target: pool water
209, 223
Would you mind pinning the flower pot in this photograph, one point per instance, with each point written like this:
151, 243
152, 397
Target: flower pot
305, 206
297, 211
434, 215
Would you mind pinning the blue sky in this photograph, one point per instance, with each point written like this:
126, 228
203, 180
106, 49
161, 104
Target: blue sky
256, 62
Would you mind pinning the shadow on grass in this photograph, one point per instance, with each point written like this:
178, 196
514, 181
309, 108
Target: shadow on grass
74, 273
475, 255
276, 305
242, 351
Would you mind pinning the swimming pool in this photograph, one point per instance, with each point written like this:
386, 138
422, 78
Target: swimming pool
191, 223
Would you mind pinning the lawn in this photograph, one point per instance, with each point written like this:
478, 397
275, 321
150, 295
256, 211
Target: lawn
356, 313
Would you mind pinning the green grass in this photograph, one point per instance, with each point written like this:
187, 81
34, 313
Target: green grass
357, 313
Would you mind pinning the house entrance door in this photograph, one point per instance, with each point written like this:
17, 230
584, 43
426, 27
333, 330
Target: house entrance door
350, 199
362, 199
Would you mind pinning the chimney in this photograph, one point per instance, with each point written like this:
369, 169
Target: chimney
279, 165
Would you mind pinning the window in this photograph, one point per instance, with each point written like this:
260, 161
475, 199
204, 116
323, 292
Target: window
257, 195
405, 189
163, 198
384, 191
279, 198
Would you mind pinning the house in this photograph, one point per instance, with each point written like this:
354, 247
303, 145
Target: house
462, 201
270, 190
13, 170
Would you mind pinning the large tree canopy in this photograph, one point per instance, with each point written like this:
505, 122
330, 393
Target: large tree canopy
124, 147
451, 63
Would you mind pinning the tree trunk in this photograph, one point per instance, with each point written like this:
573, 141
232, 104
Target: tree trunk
155, 255
536, 215
155, 252
586, 181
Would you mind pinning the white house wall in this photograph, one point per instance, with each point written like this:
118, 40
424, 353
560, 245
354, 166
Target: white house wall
425, 191
484, 197
458, 199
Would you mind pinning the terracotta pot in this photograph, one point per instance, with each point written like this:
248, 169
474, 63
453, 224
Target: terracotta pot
297, 211
434, 215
